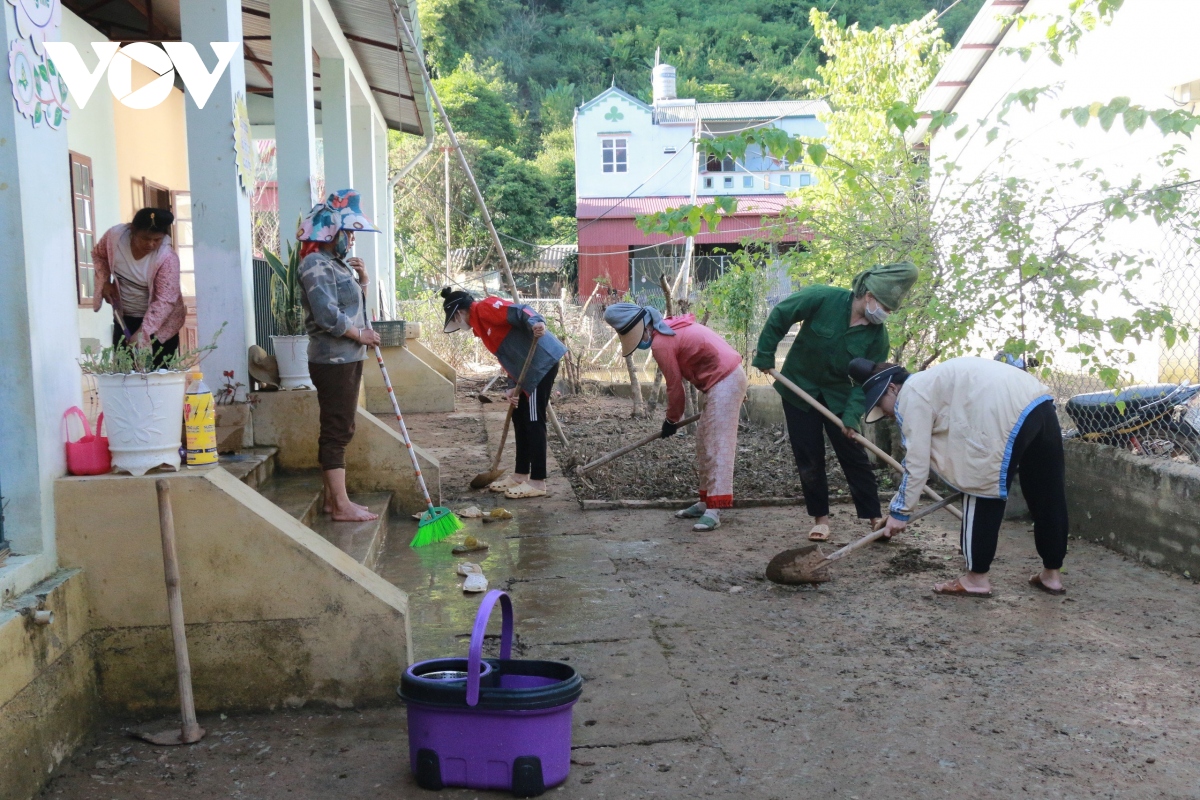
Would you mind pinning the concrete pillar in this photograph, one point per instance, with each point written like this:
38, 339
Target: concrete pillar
335, 123
385, 222
295, 127
220, 206
39, 340
368, 245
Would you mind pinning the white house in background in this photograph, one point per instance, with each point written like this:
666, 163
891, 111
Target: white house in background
1146, 54
633, 158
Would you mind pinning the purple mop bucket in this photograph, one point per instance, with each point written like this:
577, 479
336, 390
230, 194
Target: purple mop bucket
497, 724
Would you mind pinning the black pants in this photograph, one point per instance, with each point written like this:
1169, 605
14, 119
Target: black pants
337, 396
806, 431
162, 350
1037, 458
529, 428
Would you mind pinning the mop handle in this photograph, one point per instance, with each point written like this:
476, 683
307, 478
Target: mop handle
387, 381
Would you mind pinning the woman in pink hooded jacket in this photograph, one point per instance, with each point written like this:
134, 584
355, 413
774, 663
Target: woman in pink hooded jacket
686, 350
137, 272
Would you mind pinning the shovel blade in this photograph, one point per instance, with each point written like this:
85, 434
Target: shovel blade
484, 478
799, 566
171, 737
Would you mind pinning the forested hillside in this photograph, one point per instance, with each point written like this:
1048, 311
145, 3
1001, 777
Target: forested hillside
511, 73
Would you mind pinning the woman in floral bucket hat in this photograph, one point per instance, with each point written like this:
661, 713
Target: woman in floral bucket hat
335, 316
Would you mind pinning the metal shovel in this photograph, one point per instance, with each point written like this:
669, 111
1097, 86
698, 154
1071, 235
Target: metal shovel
807, 565
484, 478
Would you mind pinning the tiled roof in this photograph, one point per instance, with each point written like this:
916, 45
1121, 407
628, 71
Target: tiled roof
629, 207
735, 112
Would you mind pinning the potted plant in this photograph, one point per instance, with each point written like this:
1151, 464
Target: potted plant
291, 339
233, 416
143, 405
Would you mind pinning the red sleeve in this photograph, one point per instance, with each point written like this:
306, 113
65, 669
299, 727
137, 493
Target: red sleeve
663, 348
167, 294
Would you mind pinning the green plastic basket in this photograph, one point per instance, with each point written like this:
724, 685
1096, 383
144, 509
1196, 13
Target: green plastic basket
391, 334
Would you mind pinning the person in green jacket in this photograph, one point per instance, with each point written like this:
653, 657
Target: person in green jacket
837, 325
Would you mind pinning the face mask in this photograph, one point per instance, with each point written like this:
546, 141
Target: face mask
341, 244
876, 315
644, 344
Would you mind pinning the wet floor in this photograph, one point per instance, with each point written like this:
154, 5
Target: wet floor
703, 680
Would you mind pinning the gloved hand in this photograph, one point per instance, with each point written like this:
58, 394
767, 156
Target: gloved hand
669, 428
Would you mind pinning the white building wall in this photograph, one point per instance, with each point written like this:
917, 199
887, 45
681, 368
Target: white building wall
660, 157
1139, 57
91, 132
39, 341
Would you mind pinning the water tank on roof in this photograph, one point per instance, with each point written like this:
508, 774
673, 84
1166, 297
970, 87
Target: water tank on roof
663, 82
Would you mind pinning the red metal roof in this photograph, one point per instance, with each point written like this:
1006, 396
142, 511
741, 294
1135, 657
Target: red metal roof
628, 207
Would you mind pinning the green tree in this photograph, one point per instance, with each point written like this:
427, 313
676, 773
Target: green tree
476, 107
517, 195
739, 297
451, 27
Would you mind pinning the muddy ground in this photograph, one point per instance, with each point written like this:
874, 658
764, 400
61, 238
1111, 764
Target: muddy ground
704, 680
666, 469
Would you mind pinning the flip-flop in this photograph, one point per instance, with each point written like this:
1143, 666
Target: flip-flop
694, 511
524, 490
468, 568
955, 589
469, 545
502, 484
819, 533
707, 523
475, 584
1036, 582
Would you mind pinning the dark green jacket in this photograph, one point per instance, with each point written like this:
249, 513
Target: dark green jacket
821, 354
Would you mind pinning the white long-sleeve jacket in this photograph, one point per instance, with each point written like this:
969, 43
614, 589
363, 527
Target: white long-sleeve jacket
960, 419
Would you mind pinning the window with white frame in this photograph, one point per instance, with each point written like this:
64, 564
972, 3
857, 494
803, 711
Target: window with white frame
785, 180
747, 181
614, 155
729, 183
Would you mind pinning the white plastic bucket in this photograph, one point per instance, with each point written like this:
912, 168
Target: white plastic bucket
144, 418
291, 354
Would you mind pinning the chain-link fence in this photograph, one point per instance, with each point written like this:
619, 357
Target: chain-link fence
1158, 414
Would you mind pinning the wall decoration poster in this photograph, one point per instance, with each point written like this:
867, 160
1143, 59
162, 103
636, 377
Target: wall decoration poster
38, 20
243, 143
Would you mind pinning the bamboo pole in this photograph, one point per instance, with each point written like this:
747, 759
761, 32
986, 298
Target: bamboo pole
402, 25
192, 732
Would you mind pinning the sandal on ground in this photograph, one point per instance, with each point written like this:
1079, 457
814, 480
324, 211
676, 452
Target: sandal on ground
1036, 582
955, 589
694, 511
523, 490
469, 545
503, 484
475, 583
469, 568
707, 523
819, 533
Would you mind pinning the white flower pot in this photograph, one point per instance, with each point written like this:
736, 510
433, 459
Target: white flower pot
143, 415
291, 353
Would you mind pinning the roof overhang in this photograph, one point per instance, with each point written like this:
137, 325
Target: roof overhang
965, 62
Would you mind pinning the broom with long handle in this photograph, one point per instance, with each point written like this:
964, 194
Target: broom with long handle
437, 523
858, 437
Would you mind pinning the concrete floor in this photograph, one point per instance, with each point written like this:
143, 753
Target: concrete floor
703, 680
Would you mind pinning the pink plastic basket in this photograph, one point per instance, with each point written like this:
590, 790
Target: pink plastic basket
89, 455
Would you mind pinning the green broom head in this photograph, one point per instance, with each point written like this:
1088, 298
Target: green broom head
436, 524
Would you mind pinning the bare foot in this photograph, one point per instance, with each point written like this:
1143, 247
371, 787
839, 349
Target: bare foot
359, 506
353, 513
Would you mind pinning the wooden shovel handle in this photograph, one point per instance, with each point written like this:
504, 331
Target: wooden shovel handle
874, 535
508, 416
615, 454
858, 437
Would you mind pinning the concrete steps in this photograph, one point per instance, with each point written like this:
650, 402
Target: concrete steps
302, 496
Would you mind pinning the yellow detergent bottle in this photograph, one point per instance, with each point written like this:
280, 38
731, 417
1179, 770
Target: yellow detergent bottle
199, 422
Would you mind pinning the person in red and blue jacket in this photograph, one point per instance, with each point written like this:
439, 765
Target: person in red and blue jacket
508, 330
